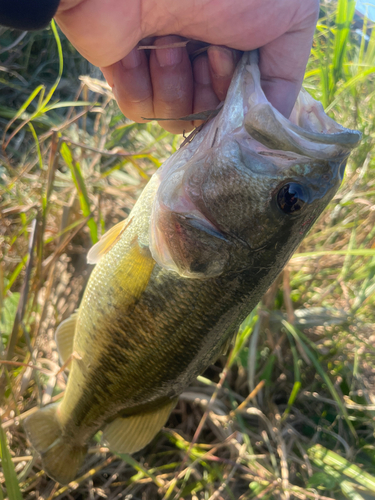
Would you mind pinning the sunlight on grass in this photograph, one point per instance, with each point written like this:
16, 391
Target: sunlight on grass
290, 413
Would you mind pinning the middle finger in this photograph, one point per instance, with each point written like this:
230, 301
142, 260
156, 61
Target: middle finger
172, 84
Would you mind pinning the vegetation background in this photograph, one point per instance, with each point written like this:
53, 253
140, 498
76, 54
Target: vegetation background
291, 412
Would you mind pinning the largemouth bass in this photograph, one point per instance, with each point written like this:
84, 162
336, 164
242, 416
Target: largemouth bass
172, 283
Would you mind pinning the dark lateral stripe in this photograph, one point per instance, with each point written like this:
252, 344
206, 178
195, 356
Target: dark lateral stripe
27, 14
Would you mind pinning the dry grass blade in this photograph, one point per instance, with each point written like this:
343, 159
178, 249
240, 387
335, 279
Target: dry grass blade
250, 397
220, 490
204, 115
19, 418
165, 46
138, 467
25, 291
74, 485
27, 365
251, 431
171, 486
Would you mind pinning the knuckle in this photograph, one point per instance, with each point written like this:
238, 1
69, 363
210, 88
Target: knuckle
307, 13
312, 9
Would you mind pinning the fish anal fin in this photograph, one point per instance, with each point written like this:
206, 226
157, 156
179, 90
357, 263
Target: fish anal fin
106, 242
64, 337
61, 460
131, 434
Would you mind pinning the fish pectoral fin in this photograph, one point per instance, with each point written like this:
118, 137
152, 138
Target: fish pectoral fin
64, 337
130, 434
106, 242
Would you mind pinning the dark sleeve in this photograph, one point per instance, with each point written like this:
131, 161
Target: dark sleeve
27, 14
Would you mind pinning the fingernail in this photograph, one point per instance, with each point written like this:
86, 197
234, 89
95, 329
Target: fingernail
132, 60
221, 60
169, 57
202, 71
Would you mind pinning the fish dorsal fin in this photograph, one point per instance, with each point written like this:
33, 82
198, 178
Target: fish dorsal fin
64, 337
130, 434
106, 242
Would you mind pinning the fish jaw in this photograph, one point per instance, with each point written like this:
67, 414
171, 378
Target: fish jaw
217, 198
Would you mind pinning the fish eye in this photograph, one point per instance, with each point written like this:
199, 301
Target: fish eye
292, 197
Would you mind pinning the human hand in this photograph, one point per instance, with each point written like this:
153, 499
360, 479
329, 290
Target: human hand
167, 83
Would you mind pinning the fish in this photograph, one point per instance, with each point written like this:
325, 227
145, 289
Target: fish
211, 231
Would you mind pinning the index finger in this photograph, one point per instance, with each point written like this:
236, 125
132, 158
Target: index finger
281, 29
282, 65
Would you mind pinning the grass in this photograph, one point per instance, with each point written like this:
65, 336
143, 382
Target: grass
290, 413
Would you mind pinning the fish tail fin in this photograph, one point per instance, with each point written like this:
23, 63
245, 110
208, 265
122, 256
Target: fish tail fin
60, 460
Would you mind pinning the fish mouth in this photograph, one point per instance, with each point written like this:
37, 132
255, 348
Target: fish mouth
308, 132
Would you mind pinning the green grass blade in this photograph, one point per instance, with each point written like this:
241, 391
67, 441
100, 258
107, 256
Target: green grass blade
349, 491
243, 334
67, 104
348, 260
139, 468
349, 84
45, 121
40, 90
11, 481
36, 140
312, 72
367, 287
344, 16
61, 65
341, 465
331, 479
295, 390
324, 73
301, 339
26, 104
363, 41
363, 252
66, 229
267, 371
81, 189
297, 376
19, 113
369, 57
15, 274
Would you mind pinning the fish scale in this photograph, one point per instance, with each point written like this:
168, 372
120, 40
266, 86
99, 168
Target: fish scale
209, 234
